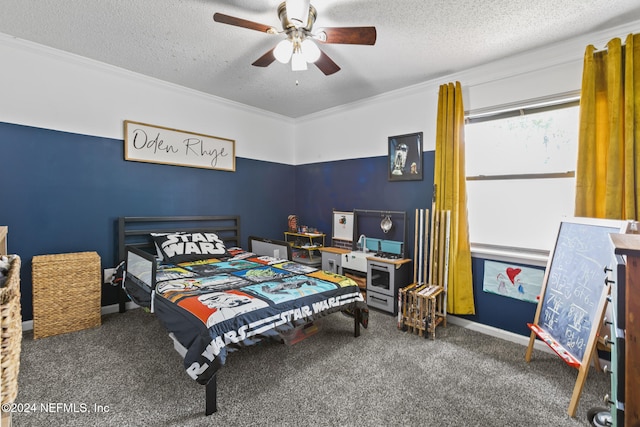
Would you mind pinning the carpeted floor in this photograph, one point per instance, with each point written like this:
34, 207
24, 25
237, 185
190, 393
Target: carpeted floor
126, 373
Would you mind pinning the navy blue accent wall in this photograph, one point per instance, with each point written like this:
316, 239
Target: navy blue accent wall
360, 184
63, 192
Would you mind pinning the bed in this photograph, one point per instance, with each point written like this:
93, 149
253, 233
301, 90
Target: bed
213, 296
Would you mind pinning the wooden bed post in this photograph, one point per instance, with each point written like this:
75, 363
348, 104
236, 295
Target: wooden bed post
211, 405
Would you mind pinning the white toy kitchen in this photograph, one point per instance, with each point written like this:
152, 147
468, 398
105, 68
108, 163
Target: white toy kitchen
379, 262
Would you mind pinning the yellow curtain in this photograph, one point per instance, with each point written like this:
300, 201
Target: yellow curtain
451, 194
608, 154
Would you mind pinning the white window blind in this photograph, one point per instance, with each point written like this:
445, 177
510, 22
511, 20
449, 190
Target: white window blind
520, 167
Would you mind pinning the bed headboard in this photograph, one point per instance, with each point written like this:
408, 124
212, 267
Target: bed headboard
135, 230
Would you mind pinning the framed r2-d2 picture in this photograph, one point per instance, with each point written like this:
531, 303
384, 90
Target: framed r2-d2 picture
405, 157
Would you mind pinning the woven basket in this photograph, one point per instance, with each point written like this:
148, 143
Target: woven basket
11, 338
66, 293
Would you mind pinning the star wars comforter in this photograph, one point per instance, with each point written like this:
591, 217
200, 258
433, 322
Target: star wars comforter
214, 306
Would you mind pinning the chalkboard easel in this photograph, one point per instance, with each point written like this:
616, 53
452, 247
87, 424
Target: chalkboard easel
574, 294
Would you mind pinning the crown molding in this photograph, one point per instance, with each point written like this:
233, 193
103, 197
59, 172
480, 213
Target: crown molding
57, 54
568, 51
550, 56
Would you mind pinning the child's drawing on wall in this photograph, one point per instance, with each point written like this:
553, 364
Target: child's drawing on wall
519, 282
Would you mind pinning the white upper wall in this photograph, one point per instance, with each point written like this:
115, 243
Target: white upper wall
51, 89
361, 129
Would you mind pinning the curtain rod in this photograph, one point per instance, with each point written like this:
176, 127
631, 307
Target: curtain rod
545, 101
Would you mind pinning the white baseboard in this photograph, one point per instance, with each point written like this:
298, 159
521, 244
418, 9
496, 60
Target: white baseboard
497, 333
27, 325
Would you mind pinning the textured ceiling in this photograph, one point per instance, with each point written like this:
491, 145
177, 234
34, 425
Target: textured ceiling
178, 41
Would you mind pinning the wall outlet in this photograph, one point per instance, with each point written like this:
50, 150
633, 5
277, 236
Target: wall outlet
108, 274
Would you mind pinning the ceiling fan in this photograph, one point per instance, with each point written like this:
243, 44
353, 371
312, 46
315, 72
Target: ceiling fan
297, 18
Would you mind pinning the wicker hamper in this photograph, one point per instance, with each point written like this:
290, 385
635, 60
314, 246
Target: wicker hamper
11, 321
66, 293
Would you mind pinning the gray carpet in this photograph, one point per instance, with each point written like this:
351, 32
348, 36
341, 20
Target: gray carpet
386, 377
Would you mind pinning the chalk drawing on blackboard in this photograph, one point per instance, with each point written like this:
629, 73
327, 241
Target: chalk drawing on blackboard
574, 293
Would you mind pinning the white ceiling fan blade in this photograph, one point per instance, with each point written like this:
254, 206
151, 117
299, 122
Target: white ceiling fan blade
298, 12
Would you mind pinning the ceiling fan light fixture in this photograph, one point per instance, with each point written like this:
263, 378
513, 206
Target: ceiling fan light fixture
298, 63
310, 50
297, 18
283, 51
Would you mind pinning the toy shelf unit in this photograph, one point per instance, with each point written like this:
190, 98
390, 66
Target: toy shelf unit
305, 247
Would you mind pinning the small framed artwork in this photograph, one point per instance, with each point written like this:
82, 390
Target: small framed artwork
405, 157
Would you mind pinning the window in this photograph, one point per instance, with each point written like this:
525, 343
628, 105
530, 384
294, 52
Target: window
520, 166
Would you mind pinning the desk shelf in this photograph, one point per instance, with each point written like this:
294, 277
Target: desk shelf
305, 246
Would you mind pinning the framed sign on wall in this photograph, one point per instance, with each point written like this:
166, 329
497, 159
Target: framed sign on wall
157, 144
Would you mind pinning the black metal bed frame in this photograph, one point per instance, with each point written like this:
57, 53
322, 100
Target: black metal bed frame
135, 232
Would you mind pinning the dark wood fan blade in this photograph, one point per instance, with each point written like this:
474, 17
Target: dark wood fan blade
238, 22
265, 60
350, 35
326, 64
